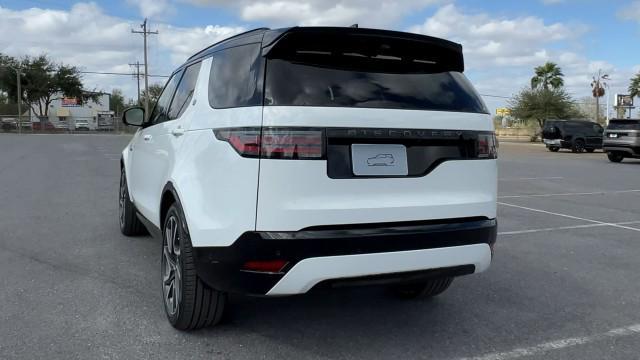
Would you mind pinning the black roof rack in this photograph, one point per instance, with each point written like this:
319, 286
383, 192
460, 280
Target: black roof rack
262, 29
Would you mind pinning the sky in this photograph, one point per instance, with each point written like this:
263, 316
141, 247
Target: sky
502, 40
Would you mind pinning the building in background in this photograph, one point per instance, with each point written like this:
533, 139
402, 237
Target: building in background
72, 114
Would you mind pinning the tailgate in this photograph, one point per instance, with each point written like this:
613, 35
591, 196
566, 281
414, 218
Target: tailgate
440, 184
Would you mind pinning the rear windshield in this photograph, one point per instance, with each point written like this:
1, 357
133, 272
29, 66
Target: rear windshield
624, 125
289, 83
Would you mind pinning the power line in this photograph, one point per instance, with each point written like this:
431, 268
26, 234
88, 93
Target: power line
118, 73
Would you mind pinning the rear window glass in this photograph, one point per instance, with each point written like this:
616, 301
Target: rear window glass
624, 125
235, 78
317, 84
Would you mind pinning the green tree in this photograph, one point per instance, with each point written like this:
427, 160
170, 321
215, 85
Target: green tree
116, 104
154, 93
634, 87
547, 76
541, 104
44, 81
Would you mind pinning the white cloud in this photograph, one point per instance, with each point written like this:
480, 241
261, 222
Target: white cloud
489, 41
552, 2
322, 12
184, 42
85, 36
152, 8
630, 12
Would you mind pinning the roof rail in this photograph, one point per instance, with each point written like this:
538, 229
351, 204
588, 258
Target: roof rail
229, 38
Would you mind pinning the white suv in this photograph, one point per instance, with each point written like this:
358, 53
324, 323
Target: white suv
277, 161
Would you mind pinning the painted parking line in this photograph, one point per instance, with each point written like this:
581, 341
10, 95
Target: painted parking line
569, 194
517, 232
559, 344
532, 178
569, 216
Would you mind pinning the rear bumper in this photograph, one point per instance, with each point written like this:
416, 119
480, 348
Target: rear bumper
315, 255
631, 147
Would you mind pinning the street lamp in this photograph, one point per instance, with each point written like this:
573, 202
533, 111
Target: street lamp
18, 73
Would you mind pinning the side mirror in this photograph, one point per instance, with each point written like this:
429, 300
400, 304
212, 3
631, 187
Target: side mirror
133, 116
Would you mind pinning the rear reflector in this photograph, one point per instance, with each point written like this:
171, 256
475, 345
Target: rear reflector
271, 266
275, 143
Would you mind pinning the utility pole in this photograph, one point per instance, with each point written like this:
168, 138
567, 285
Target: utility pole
19, 101
19, 97
137, 75
144, 33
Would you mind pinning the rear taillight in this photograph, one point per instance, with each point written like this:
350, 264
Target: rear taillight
487, 146
275, 143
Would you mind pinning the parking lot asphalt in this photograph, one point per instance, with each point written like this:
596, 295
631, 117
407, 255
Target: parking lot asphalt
564, 283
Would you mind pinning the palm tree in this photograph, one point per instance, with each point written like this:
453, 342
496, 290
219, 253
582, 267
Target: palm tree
634, 87
597, 89
547, 75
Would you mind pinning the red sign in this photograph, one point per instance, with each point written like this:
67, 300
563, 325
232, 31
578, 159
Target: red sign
70, 102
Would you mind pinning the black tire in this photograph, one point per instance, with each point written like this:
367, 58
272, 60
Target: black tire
197, 305
554, 148
130, 225
590, 150
615, 157
578, 146
428, 288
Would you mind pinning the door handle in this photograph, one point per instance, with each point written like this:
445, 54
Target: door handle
177, 132
147, 137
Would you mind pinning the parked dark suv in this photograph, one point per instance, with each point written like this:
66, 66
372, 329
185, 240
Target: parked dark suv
622, 139
577, 135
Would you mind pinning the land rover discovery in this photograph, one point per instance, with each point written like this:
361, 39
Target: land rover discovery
279, 161
622, 139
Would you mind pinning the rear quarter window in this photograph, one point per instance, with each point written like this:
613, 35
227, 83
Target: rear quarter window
235, 78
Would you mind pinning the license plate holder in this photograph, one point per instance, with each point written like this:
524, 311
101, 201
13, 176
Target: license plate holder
379, 160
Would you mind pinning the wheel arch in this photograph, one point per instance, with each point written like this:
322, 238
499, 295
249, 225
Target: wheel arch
170, 196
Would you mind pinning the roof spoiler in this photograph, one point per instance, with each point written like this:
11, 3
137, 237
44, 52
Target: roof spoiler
370, 42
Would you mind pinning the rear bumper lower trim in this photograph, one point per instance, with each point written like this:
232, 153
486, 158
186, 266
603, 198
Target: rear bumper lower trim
221, 267
309, 272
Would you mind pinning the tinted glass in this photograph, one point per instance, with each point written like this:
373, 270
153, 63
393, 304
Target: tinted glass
235, 77
159, 113
624, 125
184, 93
289, 83
572, 127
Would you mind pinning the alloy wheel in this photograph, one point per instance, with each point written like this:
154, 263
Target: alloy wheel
171, 268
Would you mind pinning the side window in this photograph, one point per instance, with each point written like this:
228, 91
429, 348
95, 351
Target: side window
236, 77
184, 92
159, 113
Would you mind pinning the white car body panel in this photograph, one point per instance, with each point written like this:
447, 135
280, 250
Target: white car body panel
309, 272
298, 194
314, 199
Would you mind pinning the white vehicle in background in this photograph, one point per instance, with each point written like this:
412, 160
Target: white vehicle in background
277, 161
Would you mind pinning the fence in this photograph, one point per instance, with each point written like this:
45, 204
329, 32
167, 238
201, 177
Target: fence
75, 125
